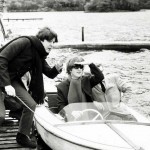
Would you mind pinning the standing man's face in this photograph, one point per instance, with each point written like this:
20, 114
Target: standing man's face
48, 45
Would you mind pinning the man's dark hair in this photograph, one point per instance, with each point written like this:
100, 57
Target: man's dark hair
71, 62
47, 34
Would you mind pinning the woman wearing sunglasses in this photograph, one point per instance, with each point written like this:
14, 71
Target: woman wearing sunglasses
77, 87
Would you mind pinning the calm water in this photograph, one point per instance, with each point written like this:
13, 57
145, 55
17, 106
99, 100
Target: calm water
123, 26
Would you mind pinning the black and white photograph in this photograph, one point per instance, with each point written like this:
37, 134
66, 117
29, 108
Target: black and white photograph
74, 74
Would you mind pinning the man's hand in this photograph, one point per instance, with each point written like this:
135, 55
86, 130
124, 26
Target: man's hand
59, 65
10, 90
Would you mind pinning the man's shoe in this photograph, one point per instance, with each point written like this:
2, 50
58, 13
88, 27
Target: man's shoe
25, 141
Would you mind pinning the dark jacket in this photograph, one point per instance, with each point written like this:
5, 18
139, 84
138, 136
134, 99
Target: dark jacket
18, 57
87, 83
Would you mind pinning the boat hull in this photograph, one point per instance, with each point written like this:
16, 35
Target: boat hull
80, 136
55, 142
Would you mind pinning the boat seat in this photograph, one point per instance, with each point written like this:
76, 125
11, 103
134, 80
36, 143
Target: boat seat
52, 101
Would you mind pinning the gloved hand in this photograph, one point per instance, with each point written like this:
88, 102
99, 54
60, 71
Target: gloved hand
10, 90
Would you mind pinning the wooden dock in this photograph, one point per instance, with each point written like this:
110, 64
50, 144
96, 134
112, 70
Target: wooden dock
8, 137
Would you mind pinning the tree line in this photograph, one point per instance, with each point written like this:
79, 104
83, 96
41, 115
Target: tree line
77, 5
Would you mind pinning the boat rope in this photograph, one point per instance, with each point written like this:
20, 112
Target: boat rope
30, 109
25, 104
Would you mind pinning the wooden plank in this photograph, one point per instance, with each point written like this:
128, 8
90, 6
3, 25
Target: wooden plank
8, 137
9, 127
7, 142
7, 134
10, 123
15, 145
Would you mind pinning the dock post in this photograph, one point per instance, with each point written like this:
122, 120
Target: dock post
82, 34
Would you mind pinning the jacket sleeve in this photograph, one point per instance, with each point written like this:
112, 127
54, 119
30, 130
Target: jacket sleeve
48, 71
9, 53
97, 75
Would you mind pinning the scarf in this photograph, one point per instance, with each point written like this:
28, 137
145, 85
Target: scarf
37, 86
75, 93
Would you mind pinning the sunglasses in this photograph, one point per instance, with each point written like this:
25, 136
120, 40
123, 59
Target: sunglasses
77, 66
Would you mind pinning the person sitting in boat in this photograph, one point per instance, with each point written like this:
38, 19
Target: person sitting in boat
77, 87
115, 87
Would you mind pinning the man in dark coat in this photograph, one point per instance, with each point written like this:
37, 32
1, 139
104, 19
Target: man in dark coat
19, 56
77, 87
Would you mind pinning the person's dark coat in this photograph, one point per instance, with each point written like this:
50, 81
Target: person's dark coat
22, 55
87, 83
